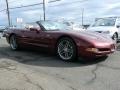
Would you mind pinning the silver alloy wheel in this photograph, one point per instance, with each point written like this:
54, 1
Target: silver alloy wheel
65, 49
13, 42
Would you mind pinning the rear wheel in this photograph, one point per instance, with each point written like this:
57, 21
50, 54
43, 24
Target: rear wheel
66, 49
13, 43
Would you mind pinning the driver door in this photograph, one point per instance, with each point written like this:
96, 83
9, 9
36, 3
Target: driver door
28, 36
44, 39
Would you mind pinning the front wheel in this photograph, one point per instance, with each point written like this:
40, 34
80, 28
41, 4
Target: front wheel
66, 49
13, 42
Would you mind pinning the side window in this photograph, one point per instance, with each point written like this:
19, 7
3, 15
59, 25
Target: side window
32, 25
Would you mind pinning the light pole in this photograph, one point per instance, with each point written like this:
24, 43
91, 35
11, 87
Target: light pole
82, 16
44, 6
8, 13
44, 10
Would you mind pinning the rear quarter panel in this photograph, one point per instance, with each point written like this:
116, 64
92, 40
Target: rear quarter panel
10, 32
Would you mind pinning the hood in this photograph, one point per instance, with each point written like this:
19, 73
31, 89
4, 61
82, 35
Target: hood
101, 28
93, 37
88, 36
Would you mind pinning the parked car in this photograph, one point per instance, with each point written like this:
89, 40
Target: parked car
10, 27
107, 26
77, 27
68, 44
2, 28
73, 26
67, 23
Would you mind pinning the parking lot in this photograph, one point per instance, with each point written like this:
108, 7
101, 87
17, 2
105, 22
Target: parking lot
35, 70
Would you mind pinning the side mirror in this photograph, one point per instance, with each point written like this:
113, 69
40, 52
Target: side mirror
118, 26
34, 29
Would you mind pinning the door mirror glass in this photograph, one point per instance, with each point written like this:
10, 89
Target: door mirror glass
33, 29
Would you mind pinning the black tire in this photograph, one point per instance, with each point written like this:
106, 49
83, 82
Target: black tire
67, 52
13, 42
115, 37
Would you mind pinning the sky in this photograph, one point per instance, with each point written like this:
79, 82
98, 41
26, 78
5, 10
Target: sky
60, 10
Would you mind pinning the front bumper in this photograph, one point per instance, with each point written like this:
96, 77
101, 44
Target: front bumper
102, 51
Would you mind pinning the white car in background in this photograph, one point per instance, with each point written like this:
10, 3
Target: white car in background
74, 26
2, 28
108, 26
77, 27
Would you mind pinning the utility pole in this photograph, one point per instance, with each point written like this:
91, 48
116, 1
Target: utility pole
44, 9
8, 13
40, 17
82, 16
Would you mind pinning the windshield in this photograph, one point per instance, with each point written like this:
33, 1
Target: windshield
49, 25
105, 22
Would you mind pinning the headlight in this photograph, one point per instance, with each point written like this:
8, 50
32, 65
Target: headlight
106, 32
92, 49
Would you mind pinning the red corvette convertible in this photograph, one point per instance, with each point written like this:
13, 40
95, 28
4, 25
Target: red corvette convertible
54, 36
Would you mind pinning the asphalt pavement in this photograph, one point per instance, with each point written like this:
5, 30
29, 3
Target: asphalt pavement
36, 70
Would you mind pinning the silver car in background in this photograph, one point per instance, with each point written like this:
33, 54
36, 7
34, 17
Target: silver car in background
108, 26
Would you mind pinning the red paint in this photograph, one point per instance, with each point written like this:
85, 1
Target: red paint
48, 39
